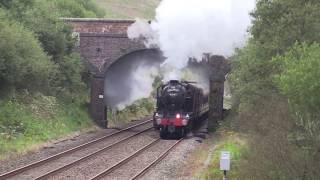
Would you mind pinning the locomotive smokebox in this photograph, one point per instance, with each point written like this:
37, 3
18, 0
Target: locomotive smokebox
173, 95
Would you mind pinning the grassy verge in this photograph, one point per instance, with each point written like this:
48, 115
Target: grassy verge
24, 124
225, 139
129, 9
140, 108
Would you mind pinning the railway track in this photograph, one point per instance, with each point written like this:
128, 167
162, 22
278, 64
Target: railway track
135, 154
156, 161
75, 149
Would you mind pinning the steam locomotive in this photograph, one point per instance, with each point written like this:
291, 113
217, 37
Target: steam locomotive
179, 107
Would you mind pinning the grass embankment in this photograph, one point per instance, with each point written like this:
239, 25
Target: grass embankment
139, 109
25, 123
207, 156
129, 9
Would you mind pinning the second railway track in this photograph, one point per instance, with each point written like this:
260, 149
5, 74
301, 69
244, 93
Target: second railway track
129, 156
138, 163
27, 171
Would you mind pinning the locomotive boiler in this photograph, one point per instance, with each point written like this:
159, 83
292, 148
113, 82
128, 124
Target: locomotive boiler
180, 104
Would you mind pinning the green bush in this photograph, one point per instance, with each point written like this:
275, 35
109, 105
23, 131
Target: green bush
274, 87
31, 119
140, 108
23, 64
46, 79
57, 42
299, 77
299, 82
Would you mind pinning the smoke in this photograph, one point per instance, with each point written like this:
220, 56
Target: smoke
183, 29
189, 28
142, 80
197, 75
141, 30
131, 78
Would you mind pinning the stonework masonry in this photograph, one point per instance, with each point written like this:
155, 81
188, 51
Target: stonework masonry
103, 41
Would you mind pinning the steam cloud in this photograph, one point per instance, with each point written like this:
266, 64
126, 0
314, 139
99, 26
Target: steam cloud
185, 29
131, 78
190, 28
142, 80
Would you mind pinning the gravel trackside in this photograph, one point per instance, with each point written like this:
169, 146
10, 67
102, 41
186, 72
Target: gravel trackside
171, 165
57, 146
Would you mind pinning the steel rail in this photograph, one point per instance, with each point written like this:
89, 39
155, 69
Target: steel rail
56, 156
67, 166
161, 157
125, 160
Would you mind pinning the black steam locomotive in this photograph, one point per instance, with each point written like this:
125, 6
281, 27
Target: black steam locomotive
179, 106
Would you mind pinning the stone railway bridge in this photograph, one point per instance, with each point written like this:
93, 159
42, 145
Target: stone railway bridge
102, 42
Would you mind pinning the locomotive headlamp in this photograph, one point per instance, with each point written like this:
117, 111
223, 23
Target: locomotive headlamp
178, 116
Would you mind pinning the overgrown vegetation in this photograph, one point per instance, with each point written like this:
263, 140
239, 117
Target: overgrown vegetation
140, 108
129, 9
43, 90
26, 121
225, 140
276, 91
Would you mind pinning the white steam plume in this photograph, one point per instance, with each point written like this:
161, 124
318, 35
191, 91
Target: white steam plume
141, 30
141, 85
185, 29
189, 28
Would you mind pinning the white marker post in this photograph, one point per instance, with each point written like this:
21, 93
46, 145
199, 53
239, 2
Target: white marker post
225, 163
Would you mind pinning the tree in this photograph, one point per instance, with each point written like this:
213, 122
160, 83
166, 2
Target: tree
278, 24
275, 86
23, 63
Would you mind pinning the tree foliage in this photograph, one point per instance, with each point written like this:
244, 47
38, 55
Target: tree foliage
299, 82
276, 90
278, 24
23, 63
37, 46
299, 78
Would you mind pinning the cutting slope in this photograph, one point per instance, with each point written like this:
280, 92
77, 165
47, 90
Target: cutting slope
129, 9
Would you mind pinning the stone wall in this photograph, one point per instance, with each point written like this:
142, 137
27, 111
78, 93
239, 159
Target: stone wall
103, 42
101, 50
99, 26
219, 67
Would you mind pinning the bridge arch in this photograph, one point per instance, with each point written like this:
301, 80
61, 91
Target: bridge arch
111, 85
104, 42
